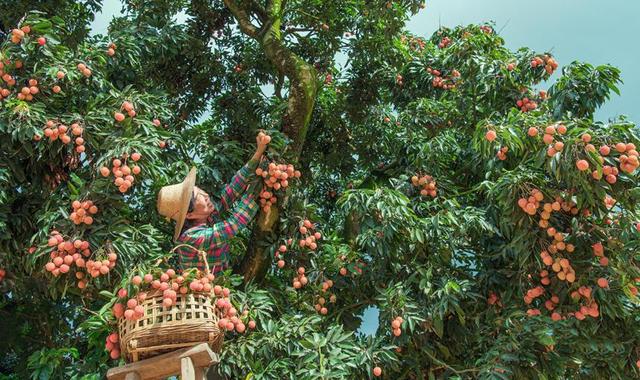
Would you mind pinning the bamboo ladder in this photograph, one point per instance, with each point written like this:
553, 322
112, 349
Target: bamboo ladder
191, 363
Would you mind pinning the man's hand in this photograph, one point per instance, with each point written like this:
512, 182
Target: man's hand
262, 140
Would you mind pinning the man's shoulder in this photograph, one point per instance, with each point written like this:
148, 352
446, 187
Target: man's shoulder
191, 233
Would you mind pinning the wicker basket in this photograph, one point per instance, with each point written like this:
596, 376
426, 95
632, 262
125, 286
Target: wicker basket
191, 321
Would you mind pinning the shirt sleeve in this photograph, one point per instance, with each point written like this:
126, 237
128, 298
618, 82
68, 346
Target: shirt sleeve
238, 185
221, 232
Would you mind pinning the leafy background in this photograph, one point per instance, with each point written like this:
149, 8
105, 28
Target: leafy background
433, 261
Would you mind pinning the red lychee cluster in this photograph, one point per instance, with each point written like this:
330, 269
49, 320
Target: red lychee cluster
300, 279
588, 307
628, 157
309, 237
530, 205
276, 177
65, 254
396, 326
427, 184
58, 131
8, 79
486, 29
502, 153
59, 76
447, 82
126, 107
97, 268
229, 320
17, 35
549, 64
123, 173
111, 345
526, 105
493, 299
444, 42
84, 70
27, 92
82, 212
321, 304
280, 253
111, 49
399, 80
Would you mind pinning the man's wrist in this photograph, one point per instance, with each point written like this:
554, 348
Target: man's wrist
254, 161
257, 155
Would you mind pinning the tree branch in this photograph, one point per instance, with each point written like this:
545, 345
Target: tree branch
259, 10
278, 86
243, 19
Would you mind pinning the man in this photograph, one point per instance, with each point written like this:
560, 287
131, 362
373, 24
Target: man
197, 216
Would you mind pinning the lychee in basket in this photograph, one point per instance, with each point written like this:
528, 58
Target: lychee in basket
192, 320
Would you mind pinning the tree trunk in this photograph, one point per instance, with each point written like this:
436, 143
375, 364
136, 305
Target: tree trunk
303, 86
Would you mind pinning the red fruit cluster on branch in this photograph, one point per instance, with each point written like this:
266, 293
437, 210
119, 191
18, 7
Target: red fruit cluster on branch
65, 254
82, 212
553, 257
300, 279
97, 268
58, 131
530, 205
396, 326
427, 184
84, 70
628, 157
309, 237
111, 345
399, 80
415, 43
276, 177
111, 49
27, 92
486, 29
445, 42
549, 64
229, 320
125, 107
493, 299
588, 307
124, 174
445, 82
17, 35
321, 305
502, 153
2, 274
526, 105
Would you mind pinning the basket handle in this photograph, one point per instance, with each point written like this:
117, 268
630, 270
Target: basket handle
202, 255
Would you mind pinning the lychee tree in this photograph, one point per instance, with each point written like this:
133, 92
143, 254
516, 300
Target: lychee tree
490, 221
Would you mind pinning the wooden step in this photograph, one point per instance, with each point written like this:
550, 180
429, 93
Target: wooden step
191, 363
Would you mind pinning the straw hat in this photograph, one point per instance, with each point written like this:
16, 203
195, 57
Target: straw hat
173, 201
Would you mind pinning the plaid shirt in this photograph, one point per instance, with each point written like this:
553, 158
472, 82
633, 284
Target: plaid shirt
212, 237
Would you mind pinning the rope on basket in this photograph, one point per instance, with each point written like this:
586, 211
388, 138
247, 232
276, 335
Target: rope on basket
202, 255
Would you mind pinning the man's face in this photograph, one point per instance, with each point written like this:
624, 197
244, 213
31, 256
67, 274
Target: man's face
203, 207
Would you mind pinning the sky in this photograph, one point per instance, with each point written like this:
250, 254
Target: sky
594, 31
